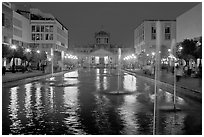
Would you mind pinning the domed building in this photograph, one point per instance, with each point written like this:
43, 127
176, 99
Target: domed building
102, 39
101, 54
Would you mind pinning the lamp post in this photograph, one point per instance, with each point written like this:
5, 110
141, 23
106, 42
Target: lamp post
13, 47
38, 51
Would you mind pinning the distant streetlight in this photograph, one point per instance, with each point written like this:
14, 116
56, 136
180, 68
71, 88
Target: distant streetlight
180, 48
13, 47
147, 55
153, 53
38, 51
28, 50
169, 50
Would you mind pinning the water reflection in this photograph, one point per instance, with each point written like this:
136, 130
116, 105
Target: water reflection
14, 110
173, 124
51, 96
38, 100
100, 114
80, 109
130, 83
127, 112
98, 83
105, 83
71, 107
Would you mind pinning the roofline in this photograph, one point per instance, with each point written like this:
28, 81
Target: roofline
61, 24
152, 20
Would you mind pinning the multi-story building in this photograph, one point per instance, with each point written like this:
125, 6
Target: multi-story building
35, 30
7, 19
100, 54
48, 34
189, 24
21, 30
145, 38
7, 27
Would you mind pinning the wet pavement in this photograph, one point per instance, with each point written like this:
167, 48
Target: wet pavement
79, 102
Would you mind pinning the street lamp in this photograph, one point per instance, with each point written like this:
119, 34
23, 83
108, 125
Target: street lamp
169, 50
38, 51
180, 48
28, 50
153, 53
13, 47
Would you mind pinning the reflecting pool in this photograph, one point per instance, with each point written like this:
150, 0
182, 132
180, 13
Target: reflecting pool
75, 103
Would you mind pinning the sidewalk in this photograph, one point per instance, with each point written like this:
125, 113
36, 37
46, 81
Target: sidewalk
193, 84
9, 77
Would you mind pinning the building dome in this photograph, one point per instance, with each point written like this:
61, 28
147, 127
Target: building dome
102, 33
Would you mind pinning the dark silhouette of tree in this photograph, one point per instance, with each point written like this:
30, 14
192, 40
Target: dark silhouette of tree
186, 50
6, 51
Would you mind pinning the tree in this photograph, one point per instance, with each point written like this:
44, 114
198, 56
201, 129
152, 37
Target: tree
186, 50
6, 51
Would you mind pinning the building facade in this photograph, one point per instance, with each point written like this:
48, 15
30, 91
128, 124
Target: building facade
21, 30
35, 30
145, 39
100, 54
189, 24
7, 21
49, 35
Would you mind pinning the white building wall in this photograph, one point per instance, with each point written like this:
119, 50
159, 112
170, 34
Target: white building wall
21, 26
61, 35
189, 24
148, 44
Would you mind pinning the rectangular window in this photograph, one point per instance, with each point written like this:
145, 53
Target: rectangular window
51, 37
167, 29
33, 36
37, 36
51, 28
37, 28
167, 33
42, 28
153, 33
46, 28
41, 37
33, 28
46, 37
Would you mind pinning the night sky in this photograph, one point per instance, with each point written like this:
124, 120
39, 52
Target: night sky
120, 19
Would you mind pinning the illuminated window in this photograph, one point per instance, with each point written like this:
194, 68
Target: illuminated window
97, 60
106, 59
37, 36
